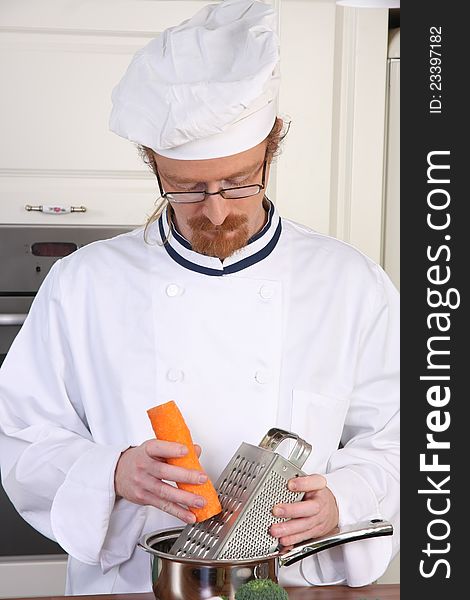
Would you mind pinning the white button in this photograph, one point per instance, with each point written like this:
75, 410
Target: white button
262, 376
173, 290
266, 292
175, 375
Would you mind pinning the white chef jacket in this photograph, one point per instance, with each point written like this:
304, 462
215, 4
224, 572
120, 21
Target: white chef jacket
296, 330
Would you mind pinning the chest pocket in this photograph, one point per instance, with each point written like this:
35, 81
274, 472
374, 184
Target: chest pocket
319, 419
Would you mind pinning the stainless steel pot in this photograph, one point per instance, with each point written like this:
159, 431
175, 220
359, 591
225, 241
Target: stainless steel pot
177, 578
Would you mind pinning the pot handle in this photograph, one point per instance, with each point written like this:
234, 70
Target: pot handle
350, 533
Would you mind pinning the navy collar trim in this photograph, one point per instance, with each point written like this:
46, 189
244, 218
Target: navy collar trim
258, 248
267, 226
182, 240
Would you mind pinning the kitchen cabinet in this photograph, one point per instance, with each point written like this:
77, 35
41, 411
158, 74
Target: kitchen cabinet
60, 62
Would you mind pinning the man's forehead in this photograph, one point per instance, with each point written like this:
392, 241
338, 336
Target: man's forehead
202, 175
238, 165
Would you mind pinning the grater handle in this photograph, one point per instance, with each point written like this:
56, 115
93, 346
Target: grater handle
359, 531
300, 452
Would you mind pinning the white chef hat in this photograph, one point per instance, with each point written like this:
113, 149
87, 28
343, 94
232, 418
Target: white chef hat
206, 88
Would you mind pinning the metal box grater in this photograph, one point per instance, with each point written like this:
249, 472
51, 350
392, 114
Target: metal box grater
254, 481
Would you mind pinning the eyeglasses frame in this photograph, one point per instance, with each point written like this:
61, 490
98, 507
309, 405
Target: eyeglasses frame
221, 191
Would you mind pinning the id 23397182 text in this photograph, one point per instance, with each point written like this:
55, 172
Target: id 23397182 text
435, 70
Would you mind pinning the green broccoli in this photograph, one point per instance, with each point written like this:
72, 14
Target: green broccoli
261, 589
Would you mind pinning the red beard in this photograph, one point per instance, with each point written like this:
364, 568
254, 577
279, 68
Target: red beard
222, 240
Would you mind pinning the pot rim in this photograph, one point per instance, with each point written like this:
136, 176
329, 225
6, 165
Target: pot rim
288, 555
172, 532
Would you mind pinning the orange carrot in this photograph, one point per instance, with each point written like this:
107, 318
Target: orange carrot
169, 425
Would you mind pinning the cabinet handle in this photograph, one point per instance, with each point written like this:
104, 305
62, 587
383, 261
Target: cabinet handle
55, 210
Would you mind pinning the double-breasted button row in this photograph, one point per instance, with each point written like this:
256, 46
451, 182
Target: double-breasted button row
176, 375
266, 292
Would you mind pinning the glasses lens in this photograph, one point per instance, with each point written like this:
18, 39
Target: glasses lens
186, 197
242, 192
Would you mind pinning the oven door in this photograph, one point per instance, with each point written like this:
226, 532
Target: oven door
13, 311
26, 255
16, 533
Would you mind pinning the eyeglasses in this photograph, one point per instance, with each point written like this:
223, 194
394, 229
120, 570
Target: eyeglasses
233, 193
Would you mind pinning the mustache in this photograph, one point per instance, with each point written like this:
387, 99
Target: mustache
231, 223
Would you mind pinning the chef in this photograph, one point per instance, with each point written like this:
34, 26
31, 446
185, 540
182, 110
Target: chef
245, 319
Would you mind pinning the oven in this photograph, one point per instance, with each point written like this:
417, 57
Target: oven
27, 253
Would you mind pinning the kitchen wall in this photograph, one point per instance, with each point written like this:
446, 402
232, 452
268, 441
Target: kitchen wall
58, 64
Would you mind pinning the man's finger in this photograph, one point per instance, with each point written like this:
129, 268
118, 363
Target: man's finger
162, 449
169, 507
294, 526
307, 508
290, 540
163, 470
308, 483
164, 493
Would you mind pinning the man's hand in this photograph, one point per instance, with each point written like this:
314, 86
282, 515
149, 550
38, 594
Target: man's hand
140, 471
314, 516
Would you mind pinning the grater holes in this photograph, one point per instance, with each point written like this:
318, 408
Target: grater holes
251, 537
243, 473
196, 548
202, 539
230, 502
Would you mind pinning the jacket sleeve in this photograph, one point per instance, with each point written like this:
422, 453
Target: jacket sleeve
364, 473
59, 479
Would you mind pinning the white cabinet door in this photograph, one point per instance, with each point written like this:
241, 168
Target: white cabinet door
59, 62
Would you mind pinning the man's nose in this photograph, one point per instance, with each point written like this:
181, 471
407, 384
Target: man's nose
216, 208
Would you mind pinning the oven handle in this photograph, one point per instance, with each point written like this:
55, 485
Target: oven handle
12, 319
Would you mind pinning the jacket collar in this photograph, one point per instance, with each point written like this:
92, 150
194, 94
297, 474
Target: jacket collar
257, 248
